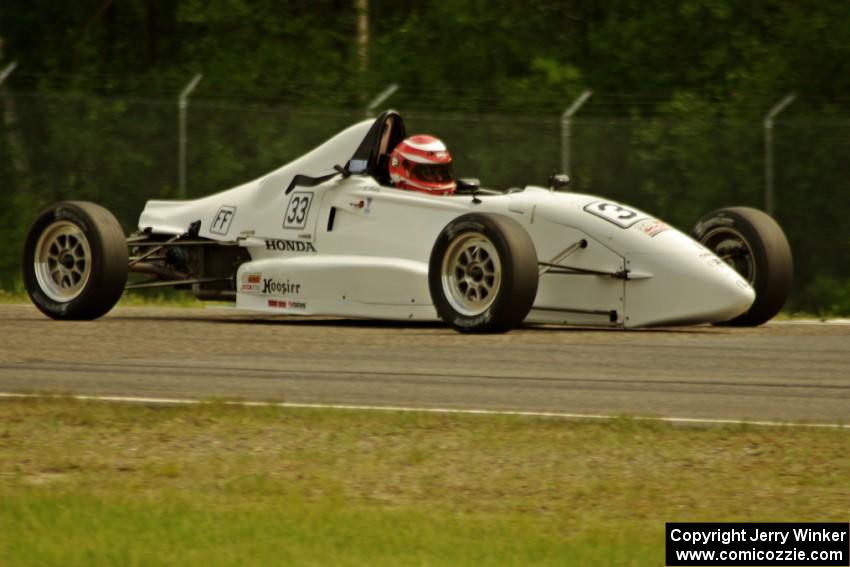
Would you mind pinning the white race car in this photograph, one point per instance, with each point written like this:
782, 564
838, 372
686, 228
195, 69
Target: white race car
327, 235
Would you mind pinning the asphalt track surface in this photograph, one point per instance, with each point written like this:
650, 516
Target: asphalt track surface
777, 372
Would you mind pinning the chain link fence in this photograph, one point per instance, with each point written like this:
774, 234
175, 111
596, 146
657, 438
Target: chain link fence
122, 151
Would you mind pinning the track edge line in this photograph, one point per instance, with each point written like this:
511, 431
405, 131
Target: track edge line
411, 409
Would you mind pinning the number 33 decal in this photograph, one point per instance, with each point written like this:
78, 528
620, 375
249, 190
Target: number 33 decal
617, 214
297, 210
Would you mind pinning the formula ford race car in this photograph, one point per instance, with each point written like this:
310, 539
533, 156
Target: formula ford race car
328, 235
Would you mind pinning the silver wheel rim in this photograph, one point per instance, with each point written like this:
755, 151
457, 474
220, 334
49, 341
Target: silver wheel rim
62, 261
730, 246
471, 274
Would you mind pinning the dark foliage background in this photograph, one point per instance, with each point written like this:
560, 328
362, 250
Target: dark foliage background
675, 124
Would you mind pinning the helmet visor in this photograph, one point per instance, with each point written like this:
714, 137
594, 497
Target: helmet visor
432, 172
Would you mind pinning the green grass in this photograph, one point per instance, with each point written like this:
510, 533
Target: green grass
138, 298
85, 483
283, 531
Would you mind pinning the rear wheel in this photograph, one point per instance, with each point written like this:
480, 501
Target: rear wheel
75, 261
483, 274
754, 245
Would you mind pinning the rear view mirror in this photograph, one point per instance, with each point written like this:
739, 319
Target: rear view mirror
558, 181
467, 185
356, 166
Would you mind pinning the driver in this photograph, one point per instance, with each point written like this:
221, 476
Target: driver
422, 163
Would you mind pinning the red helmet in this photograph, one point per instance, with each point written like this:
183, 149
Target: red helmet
422, 163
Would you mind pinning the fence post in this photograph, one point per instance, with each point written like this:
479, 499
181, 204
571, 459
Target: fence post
10, 119
768, 150
182, 105
7, 70
384, 95
566, 119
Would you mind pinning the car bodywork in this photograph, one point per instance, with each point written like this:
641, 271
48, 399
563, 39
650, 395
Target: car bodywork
327, 235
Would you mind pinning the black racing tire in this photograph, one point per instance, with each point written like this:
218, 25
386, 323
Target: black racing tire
752, 243
75, 261
482, 274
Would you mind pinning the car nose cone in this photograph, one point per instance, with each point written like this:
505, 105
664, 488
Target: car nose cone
685, 289
732, 297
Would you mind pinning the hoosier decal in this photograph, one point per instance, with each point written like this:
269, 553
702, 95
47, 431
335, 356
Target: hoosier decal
273, 287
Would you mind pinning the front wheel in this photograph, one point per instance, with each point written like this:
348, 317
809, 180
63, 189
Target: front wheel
483, 274
754, 245
75, 261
